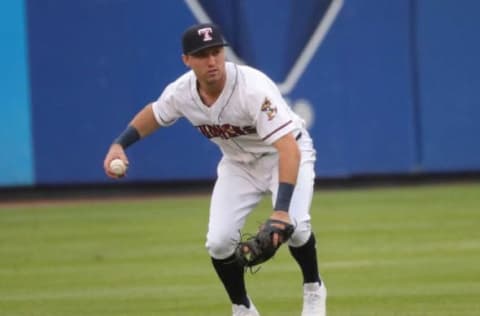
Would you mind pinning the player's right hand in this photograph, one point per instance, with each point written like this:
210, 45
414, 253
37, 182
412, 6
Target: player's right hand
115, 151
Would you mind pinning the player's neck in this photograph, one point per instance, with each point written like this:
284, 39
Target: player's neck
209, 93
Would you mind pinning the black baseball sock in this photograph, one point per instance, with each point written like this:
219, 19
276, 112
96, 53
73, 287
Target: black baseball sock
306, 257
232, 276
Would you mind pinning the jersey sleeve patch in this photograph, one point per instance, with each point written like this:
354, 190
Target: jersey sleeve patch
269, 109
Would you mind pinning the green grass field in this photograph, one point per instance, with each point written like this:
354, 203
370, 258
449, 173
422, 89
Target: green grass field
390, 251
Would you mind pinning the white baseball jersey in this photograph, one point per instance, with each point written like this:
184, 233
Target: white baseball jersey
246, 119
249, 115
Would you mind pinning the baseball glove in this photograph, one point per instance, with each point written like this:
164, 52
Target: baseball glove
260, 248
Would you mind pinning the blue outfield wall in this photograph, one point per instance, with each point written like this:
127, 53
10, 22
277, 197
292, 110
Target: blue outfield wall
449, 84
391, 87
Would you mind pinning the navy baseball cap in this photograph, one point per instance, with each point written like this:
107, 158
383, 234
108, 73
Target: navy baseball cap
201, 36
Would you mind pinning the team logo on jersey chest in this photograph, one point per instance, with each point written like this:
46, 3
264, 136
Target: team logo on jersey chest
269, 109
225, 131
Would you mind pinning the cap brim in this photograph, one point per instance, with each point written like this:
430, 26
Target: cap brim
195, 51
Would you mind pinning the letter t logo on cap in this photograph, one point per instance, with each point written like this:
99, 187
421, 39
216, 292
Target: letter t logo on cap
206, 32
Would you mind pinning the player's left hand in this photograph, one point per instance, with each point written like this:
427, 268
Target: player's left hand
263, 246
279, 216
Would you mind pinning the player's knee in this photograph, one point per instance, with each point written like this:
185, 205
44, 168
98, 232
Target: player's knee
221, 246
301, 234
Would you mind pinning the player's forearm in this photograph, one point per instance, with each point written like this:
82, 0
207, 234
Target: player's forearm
145, 122
288, 164
289, 159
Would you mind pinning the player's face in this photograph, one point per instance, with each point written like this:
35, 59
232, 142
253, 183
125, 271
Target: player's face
208, 65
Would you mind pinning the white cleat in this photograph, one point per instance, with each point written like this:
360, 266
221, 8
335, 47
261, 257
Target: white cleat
242, 310
314, 299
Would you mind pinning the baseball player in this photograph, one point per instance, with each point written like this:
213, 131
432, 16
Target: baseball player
266, 149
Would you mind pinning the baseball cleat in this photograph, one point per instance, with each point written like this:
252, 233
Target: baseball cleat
314, 299
242, 310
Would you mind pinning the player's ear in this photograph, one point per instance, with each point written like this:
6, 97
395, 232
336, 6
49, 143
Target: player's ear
185, 59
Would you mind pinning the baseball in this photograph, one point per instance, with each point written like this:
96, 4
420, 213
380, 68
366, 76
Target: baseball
118, 167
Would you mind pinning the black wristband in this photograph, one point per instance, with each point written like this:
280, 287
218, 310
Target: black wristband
284, 196
129, 136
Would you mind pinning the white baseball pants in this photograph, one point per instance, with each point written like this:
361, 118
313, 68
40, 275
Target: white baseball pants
241, 186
